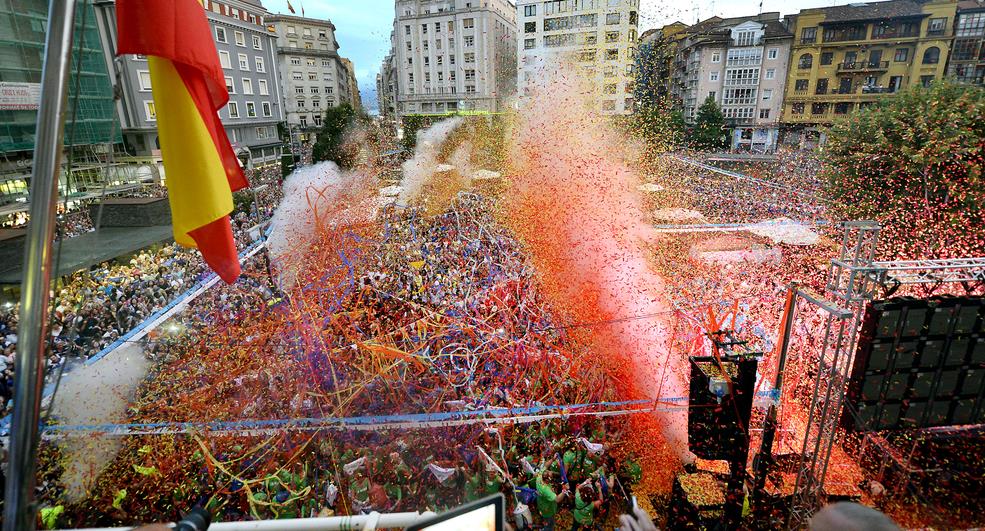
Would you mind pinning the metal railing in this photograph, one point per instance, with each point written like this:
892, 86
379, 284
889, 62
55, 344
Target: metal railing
861, 66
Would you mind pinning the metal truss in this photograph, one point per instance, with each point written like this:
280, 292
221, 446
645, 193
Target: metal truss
854, 279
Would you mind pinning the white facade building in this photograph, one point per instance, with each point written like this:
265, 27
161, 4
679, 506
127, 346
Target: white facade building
313, 75
599, 36
741, 63
453, 55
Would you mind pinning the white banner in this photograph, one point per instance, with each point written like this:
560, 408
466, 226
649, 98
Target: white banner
19, 96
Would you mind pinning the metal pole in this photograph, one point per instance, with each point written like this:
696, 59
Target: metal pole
19, 508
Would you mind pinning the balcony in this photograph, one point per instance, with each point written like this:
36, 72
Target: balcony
863, 66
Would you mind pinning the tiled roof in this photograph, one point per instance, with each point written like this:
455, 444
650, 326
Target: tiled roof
873, 10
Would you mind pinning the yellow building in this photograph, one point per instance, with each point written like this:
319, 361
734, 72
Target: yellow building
846, 57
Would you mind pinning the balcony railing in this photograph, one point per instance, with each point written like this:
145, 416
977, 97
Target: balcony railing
862, 66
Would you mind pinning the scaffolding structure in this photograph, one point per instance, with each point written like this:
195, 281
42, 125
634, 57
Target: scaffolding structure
853, 281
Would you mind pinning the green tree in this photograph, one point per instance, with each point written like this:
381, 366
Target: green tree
710, 131
914, 163
331, 144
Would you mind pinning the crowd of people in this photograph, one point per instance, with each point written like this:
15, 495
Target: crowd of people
439, 314
91, 309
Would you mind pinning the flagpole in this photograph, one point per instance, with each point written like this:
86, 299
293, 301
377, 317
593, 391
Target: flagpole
19, 507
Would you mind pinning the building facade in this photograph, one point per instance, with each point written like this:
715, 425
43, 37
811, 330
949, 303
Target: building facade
313, 75
845, 58
386, 87
741, 64
967, 61
655, 55
599, 36
248, 56
22, 41
453, 55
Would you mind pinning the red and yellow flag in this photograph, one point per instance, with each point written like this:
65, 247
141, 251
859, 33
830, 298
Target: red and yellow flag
189, 89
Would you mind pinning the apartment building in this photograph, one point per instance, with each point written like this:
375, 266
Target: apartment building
453, 55
386, 87
355, 99
598, 36
655, 62
313, 76
967, 61
247, 53
740, 63
845, 58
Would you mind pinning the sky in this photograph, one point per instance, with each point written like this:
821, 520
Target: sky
363, 26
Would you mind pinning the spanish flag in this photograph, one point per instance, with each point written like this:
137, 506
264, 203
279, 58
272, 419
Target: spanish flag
189, 88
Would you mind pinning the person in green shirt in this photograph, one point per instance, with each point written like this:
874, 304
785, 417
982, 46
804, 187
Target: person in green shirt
547, 499
586, 501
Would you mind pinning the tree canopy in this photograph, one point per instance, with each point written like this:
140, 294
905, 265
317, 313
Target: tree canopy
709, 127
914, 163
331, 144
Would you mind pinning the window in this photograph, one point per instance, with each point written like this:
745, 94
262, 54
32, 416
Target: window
801, 85
797, 108
827, 58
842, 108
406, 30
530, 11
845, 32
247, 86
764, 114
713, 76
441, 60
932, 55
470, 89
262, 132
437, 27
316, 103
301, 104
741, 76
772, 53
262, 86
530, 27
299, 90
819, 108
424, 29
609, 88
296, 76
230, 86
612, 36
261, 67
808, 35
220, 34
240, 38
902, 54
745, 38
744, 57
468, 23
291, 30
926, 81
936, 26
233, 108
311, 62
410, 78
469, 41
244, 62
612, 54
821, 87
318, 120
144, 78
970, 25
251, 109
292, 44
470, 75
312, 76
739, 96
469, 57
322, 34
770, 73
257, 44
427, 77
767, 94
150, 112
806, 61
307, 32
427, 61
612, 19
296, 61
529, 43
224, 59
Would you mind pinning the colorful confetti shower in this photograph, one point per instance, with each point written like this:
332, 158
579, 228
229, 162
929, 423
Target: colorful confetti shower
507, 318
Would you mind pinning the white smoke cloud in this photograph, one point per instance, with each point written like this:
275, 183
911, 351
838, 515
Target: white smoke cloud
419, 169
